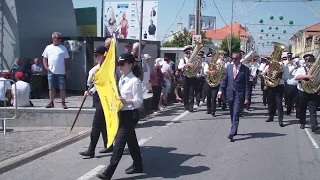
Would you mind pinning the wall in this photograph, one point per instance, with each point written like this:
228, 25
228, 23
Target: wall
29, 24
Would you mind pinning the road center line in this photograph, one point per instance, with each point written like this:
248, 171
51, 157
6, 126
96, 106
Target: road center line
177, 118
315, 144
92, 173
144, 140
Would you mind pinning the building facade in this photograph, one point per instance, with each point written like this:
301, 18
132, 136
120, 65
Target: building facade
306, 41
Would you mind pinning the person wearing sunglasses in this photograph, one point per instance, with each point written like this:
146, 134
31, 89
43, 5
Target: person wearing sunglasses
131, 96
99, 122
307, 100
236, 84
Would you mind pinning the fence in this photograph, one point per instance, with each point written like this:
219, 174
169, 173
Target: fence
4, 83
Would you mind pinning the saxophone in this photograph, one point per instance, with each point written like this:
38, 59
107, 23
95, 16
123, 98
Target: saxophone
312, 86
195, 60
214, 79
275, 68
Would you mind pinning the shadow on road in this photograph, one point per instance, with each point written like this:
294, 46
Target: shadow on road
163, 162
258, 135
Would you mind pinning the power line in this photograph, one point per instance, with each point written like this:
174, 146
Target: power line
219, 12
165, 36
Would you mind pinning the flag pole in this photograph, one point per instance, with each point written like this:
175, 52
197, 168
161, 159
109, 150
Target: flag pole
140, 35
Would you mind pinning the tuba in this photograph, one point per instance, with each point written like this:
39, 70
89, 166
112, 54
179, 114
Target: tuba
214, 79
275, 68
312, 86
195, 60
246, 60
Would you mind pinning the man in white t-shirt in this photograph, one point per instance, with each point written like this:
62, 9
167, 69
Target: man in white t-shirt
5, 89
56, 62
21, 91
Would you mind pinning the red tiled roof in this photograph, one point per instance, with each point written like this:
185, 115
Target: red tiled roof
315, 27
222, 33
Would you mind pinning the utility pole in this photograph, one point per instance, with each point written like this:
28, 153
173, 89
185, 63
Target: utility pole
231, 30
198, 17
102, 18
140, 35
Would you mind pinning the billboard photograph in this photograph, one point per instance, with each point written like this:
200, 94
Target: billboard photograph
123, 19
207, 22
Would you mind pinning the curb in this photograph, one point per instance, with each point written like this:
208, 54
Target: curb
21, 159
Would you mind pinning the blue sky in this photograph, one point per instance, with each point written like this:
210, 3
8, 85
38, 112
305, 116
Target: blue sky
249, 12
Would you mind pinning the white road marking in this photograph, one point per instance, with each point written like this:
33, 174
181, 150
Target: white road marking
315, 144
144, 140
177, 118
92, 173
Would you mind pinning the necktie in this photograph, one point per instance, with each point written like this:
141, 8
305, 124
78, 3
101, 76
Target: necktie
234, 72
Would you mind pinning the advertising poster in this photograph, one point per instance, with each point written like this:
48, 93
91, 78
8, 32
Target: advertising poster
123, 19
207, 22
87, 21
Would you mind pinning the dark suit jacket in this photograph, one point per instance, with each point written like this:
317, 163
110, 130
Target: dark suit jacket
239, 85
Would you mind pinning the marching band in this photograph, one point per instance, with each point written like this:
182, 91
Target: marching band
211, 78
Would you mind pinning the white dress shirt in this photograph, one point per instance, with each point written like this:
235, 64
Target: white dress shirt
130, 88
182, 64
253, 71
301, 71
285, 75
90, 78
292, 81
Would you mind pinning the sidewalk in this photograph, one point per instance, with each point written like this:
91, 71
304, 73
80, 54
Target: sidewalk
20, 140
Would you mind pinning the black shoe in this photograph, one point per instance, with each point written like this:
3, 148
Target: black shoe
87, 153
315, 129
302, 126
281, 124
248, 109
133, 170
102, 176
190, 109
269, 120
208, 112
213, 114
106, 150
231, 138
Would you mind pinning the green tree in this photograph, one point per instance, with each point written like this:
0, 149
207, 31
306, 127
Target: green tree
235, 44
181, 39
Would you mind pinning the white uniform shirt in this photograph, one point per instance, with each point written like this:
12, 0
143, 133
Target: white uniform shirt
285, 75
182, 64
206, 66
262, 66
253, 71
23, 93
4, 86
130, 88
56, 56
90, 78
301, 71
292, 81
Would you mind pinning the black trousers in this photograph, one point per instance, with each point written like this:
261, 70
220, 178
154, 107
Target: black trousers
36, 86
310, 101
264, 91
98, 126
212, 98
251, 84
156, 97
291, 95
204, 91
126, 134
189, 92
199, 89
275, 95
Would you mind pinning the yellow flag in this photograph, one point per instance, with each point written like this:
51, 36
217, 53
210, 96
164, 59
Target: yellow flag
107, 89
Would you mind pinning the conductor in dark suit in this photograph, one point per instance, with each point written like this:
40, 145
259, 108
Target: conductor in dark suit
236, 84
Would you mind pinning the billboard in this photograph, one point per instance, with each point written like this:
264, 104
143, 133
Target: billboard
87, 21
123, 19
207, 22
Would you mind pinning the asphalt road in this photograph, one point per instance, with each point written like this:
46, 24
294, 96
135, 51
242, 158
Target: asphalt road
182, 145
